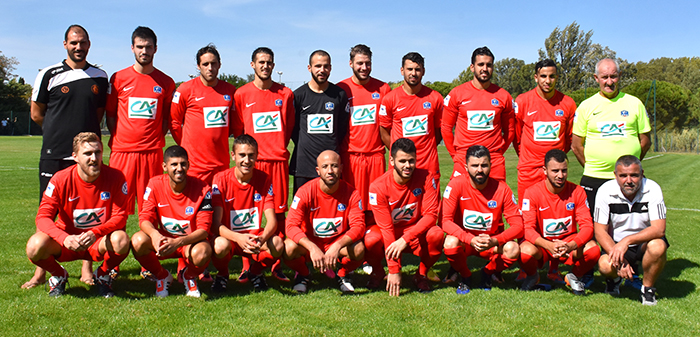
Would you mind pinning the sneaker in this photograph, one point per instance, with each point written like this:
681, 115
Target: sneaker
497, 277
636, 283
244, 277
205, 276
57, 285
588, 279
147, 275
451, 277
300, 283
422, 284
219, 284
576, 285
530, 282
104, 285
259, 282
521, 276
556, 277
162, 285
648, 295
486, 280
278, 274
463, 285
367, 268
114, 273
345, 284
612, 286
375, 280
192, 288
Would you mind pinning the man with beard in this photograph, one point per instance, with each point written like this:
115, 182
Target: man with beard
479, 204
82, 216
630, 225
321, 119
551, 210
480, 113
175, 222
405, 205
68, 98
414, 111
325, 224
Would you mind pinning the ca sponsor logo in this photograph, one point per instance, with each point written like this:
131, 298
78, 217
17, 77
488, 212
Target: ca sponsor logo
215, 117
415, 126
480, 120
175, 227
363, 114
404, 213
477, 221
88, 218
556, 227
244, 219
546, 131
266, 122
328, 227
143, 108
611, 129
320, 123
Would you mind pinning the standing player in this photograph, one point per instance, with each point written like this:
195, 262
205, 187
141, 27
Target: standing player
479, 204
200, 114
82, 216
481, 113
241, 195
68, 98
405, 204
321, 119
551, 209
363, 149
138, 113
266, 110
325, 224
414, 111
175, 222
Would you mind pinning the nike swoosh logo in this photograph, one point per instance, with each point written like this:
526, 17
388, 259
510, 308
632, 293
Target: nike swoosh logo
314, 209
597, 112
283, 206
128, 88
162, 205
249, 105
531, 112
391, 203
198, 99
228, 200
401, 108
463, 198
306, 107
466, 102
73, 199
542, 209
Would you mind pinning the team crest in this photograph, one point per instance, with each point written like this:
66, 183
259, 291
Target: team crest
329, 106
104, 196
559, 113
570, 206
494, 102
624, 113
208, 195
360, 205
492, 204
375, 95
95, 89
125, 188
417, 192
341, 207
227, 98
157, 89
270, 192
278, 102
257, 197
426, 105
189, 210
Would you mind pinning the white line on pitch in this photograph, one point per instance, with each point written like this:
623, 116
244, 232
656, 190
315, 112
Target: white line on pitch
652, 157
684, 209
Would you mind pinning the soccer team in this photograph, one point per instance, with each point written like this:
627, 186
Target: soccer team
347, 208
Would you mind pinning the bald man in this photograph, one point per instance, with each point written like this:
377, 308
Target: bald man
326, 223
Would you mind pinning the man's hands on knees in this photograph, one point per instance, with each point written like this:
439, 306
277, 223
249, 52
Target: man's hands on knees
80, 242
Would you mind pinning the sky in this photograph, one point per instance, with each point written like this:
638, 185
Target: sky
444, 32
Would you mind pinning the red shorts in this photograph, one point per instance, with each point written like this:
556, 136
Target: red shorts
498, 167
206, 176
546, 256
360, 170
138, 169
528, 176
90, 254
414, 247
279, 174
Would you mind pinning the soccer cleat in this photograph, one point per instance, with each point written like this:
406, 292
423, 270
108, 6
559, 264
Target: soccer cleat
648, 295
367, 268
612, 286
530, 282
147, 275
635, 283
422, 284
114, 273
451, 277
219, 284
162, 285
104, 285
556, 277
587, 280
375, 280
57, 285
577, 287
463, 285
259, 282
244, 277
521, 276
345, 284
205, 277
300, 283
192, 287
497, 277
486, 280
278, 274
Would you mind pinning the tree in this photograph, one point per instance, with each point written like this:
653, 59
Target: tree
443, 88
513, 75
14, 94
672, 103
236, 80
7, 65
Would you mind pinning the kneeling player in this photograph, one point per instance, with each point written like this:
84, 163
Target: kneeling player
479, 203
326, 222
175, 223
240, 195
551, 209
82, 216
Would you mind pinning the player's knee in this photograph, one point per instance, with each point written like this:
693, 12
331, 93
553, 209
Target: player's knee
276, 246
221, 246
201, 253
656, 249
451, 242
604, 265
435, 236
36, 246
528, 248
590, 245
372, 239
290, 249
511, 250
358, 251
119, 241
140, 242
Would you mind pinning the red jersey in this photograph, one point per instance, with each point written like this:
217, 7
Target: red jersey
414, 117
322, 218
177, 214
542, 125
554, 216
77, 206
268, 116
200, 123
141, 104
243, 205
363, 128
480, 212
483, 117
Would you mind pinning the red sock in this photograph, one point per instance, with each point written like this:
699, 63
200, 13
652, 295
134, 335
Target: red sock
298, 265
347, 265
589, 260
431, 249
374, 250
246, 263
553, 266
528, 264
221, 264
458, 260
112, 261
498, 263
50, 265
192, 270
180, 264
151, 263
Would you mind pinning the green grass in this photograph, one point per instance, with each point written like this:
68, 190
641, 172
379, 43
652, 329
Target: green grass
323, 311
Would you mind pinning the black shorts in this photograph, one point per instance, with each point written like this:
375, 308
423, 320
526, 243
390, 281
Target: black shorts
635, 254
591, 186
47, 168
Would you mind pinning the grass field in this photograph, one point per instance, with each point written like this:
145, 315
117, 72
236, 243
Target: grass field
323, 311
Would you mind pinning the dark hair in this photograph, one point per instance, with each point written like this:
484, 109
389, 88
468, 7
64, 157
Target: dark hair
245, 139
210, 48
478, 151
144, 33
404, 144
360, 49
319, 52
545, 63
413, 57
481, 51
71, 27
175, 151
263, 50
558, 155
628, 160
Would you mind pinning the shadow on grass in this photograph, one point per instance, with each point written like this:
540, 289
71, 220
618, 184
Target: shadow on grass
675, 267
